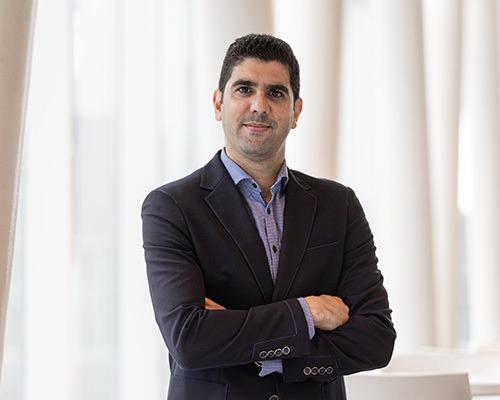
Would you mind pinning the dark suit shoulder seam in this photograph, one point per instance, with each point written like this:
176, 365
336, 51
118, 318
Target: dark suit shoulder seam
174, 200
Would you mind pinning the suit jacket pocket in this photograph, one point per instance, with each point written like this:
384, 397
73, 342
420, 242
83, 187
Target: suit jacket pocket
322, 250
183, 388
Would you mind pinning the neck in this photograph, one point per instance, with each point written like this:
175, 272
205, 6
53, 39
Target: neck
263, 172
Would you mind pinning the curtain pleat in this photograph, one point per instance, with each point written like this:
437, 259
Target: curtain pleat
16, 31
481, 109
442, 51
401, 213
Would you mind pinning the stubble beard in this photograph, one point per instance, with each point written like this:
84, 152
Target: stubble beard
256, 147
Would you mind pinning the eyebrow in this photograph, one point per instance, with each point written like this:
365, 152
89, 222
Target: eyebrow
244, 82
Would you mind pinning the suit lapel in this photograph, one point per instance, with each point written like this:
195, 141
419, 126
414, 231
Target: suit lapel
229, 207
300, 209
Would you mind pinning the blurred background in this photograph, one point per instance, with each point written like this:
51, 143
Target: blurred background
401, 103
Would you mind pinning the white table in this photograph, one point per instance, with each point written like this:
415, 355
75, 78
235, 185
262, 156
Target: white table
485, 389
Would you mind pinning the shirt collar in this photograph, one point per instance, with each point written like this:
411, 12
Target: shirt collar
238, 174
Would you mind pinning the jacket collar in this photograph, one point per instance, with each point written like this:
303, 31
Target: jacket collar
227, 204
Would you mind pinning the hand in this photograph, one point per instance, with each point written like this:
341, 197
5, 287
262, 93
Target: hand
212, 305
328, 312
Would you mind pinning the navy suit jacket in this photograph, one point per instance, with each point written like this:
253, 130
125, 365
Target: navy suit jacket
200, 241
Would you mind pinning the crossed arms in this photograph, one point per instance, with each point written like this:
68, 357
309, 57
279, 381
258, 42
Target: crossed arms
185, 268
328, 312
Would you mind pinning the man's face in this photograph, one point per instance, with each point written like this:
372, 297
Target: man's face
257, 111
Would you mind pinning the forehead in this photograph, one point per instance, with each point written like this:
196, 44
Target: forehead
261, 72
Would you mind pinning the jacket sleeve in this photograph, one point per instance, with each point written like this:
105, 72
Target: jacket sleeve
366, 341
198, 338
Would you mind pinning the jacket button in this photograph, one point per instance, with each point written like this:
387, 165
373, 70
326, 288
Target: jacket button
263, 354
314, 371
270, 354
307, 371
322, 370
286, 350
274, 397
329, 370
278, 352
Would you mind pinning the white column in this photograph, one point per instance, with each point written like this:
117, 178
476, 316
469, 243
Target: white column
401, 222
142, 372
216, 24
442, 33
47, 210
313, 31
16, 31
482, 122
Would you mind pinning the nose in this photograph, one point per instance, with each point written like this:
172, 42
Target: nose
260, 104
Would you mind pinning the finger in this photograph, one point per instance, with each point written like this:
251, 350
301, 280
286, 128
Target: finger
212, 305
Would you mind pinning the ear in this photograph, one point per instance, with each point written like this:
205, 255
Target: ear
297, 109
217, 100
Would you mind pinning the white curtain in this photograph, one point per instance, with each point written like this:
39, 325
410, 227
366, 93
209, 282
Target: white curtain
400, 103
442, 52
481, 122
419, 127
16, 32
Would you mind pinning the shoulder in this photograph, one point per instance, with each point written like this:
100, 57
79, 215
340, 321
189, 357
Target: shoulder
191, 189
321, 186
204, 178
328, 193
181, 186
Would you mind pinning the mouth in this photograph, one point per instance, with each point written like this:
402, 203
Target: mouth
256, 127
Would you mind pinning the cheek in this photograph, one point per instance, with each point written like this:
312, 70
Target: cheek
288, 120
232, 112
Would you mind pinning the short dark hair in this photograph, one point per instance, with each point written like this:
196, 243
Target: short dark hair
265, 48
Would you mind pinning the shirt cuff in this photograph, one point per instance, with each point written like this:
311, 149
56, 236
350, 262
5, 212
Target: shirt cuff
308, 315
270, 366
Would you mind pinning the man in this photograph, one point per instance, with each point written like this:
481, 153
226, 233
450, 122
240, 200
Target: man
264, 280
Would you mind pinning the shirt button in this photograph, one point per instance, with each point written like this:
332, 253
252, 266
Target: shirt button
254, 185
269, 211
275, 249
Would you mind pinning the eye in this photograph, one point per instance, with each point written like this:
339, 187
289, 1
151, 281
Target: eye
243, 89
276, 93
